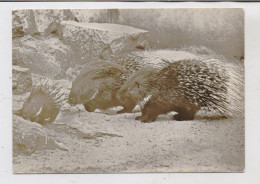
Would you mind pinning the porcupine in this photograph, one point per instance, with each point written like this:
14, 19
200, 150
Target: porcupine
44, 102
98, 82
185, 87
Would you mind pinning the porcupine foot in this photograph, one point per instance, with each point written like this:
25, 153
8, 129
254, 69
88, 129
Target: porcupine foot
146, 118
88, 107
185, 114
150, 112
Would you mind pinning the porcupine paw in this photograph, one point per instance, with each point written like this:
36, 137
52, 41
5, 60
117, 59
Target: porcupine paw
145, 119
180, 117
139, 118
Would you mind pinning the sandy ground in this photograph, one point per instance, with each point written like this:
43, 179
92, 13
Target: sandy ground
105, 142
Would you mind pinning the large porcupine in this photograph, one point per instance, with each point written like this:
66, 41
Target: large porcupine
96, 86
185, 87
44, 103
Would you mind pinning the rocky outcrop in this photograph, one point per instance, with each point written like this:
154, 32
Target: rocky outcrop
23, 23
22, 80
96, 40
48, 57
41, 22
29, 137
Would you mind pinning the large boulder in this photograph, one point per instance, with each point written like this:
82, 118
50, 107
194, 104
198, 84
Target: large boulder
38, 21
48, 57
29, 137
22, 80
101, 40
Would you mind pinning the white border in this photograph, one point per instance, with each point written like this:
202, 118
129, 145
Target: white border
252, 66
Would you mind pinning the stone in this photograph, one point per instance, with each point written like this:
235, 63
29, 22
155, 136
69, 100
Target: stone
23, 23
47, 21
38, 21
48, 57
96, 15
17, 50
101, 40
22, 80
30, 137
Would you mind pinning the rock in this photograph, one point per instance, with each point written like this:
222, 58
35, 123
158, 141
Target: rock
42, 22
96, 40
73, 72
96, 15
17, 50
18, 101
48, 57
47, 21
29, 137
23, 23
22, 80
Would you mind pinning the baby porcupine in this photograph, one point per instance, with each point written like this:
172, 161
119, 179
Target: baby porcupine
184, 86
44, 103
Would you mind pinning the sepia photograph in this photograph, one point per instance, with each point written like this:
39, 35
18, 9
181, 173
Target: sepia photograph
128, 90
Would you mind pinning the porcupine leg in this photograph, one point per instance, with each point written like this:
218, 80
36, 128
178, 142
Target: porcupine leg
143, 115
149, 113
88, 107
185, 113
128, 106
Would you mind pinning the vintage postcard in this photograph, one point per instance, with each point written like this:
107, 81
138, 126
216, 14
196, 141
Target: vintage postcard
128, 90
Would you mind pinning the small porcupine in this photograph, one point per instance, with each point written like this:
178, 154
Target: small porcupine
44, 103
185, 87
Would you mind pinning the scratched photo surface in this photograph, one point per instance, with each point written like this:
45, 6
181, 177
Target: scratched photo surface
128, 90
